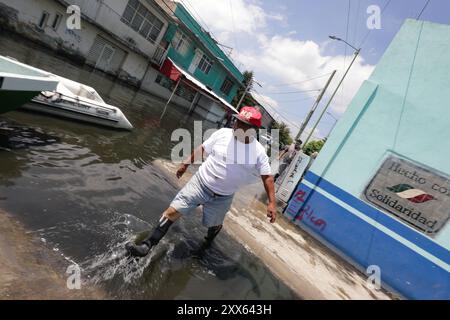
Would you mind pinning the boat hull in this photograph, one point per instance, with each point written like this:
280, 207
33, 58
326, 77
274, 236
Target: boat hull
11, 100
60, 111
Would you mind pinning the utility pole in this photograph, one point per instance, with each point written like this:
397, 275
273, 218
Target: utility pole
247, 89
314, 107
244, 94
332, 96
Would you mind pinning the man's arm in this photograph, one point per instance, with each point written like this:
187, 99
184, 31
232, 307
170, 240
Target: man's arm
270, 190
196, 154
282, 154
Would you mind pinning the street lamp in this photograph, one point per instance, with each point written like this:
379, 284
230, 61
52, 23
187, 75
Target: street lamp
357, 51
339, 39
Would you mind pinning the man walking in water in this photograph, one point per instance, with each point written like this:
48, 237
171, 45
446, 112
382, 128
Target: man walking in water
233, 153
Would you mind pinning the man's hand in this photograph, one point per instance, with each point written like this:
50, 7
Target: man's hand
272, 212
196, 154
181, 170
270, 190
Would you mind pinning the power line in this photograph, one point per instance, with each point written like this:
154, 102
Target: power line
348, 24
195, 23
345, 48
423, 9
296, 100
194, 11
292, 113
303, 81
357, 19
208, 29
273, 108
228, 54
233, 22
388, 2
284, 118
295, 92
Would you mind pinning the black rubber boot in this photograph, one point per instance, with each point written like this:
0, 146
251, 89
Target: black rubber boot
141, 250
212, 233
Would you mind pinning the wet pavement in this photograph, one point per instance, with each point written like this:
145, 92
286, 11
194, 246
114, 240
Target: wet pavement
85, 190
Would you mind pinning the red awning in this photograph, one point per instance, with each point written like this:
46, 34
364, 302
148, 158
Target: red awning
170, 70
175, 73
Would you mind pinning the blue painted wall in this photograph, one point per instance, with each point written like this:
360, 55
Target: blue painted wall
216, 76
404, 108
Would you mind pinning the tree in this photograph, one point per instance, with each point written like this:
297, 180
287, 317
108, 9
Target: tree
314, 146
284, 133
248, 99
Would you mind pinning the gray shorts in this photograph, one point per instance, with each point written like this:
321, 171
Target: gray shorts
194, 194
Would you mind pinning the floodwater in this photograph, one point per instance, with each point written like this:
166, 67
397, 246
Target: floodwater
86, 190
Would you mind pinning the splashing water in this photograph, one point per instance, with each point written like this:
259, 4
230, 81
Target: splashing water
115, 262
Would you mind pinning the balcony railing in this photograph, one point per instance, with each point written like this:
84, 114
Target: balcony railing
160, 55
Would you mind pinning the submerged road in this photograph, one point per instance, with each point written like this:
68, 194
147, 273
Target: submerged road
84, 190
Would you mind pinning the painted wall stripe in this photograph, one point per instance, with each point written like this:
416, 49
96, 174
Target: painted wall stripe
400, 228
380, 227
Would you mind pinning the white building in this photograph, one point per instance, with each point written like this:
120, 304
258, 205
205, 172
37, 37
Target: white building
122, 38
118, 37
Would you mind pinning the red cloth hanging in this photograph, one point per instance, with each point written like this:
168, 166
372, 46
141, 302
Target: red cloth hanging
170, 71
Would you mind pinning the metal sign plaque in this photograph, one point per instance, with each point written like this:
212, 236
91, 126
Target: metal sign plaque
291, 176
415, 194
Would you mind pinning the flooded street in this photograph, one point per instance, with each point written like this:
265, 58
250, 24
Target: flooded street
86, 190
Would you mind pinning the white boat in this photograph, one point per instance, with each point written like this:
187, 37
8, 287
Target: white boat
77, 101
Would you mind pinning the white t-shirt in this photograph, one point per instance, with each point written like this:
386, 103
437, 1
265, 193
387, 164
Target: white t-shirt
230, 162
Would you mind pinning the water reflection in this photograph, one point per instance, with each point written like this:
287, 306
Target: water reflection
86, 190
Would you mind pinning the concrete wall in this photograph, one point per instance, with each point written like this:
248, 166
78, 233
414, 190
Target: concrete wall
105, 17
403, 109
100, 18
24, 16
108, 13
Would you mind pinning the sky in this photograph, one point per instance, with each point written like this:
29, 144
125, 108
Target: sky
286, 44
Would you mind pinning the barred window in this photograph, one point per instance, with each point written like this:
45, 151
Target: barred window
43, 21
205, 64
141, 20
184, 91
226, 86
56, 21
180, 42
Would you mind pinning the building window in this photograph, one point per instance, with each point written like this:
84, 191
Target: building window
180, 42
43, 21
205, 64
141, 20
56, 21
184, 91
226, 86
165, 82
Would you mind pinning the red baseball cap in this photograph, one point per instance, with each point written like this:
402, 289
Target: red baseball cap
250, 116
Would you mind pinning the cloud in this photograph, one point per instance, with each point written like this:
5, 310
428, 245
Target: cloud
288, 60
231, 16
265, 99
277, 56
